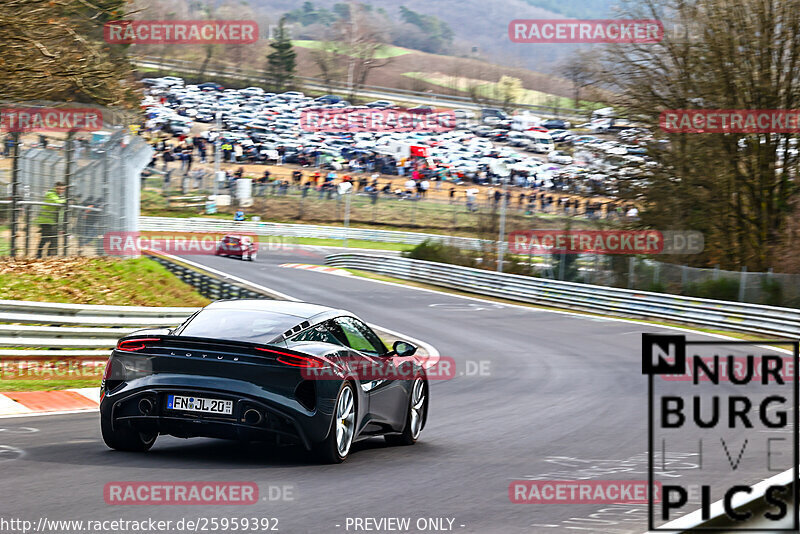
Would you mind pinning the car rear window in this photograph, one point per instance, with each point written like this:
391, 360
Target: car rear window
239, 325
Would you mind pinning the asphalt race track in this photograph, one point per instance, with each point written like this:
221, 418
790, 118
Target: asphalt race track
563, 396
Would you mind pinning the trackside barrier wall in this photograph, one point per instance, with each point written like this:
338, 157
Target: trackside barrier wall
210, 286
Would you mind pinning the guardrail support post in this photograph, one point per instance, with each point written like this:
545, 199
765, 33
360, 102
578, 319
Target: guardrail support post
27, 210
64, 226
743, 284
631, 272
14, 193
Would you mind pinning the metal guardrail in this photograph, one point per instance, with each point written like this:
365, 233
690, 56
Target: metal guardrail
197, 224
62, 327
740, 317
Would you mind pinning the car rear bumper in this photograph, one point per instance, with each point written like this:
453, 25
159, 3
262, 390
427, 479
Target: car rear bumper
255, 417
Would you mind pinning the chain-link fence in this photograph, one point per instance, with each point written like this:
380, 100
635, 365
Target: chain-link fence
64, 192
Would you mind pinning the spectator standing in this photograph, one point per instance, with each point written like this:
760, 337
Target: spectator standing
227, 151
49, 220
410, 186
187, 157
470, 194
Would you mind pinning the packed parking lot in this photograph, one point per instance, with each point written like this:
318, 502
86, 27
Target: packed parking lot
258, 127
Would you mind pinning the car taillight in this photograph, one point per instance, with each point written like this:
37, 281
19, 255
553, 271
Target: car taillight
107, 372
132, 345
299, 361
294, 360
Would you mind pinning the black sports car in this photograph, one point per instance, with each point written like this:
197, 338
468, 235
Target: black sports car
263, 370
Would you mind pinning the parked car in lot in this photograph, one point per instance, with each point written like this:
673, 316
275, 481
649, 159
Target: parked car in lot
210, 86
517, 139
539, 142
556, 124
498, 134
557, 156
291, 95
328, 99
380, 104
171, 80
561, 136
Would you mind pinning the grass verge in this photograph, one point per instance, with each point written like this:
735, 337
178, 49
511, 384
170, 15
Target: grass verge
126, 282
351, 243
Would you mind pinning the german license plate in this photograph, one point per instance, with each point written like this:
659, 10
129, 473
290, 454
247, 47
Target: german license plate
199, 404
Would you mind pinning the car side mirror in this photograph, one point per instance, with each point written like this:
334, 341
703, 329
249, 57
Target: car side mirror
401, 348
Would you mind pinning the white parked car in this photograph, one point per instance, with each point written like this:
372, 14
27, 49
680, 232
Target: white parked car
559, 157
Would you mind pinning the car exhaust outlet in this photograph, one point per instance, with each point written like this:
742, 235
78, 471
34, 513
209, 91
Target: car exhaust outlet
145, 406
252, 417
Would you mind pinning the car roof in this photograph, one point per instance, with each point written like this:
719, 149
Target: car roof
301, 310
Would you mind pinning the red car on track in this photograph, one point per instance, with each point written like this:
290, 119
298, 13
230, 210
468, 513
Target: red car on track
241, 246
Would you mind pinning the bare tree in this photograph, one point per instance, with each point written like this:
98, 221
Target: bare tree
580, 71
54, 50
360, 38
328, 60
734, 187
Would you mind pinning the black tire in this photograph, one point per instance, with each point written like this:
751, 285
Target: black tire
125, 438
407, 437
327, 451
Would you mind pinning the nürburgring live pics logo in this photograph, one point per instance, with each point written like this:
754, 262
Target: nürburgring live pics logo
734, 405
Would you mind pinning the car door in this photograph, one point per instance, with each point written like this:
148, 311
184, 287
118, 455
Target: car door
388, 396
330, 332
